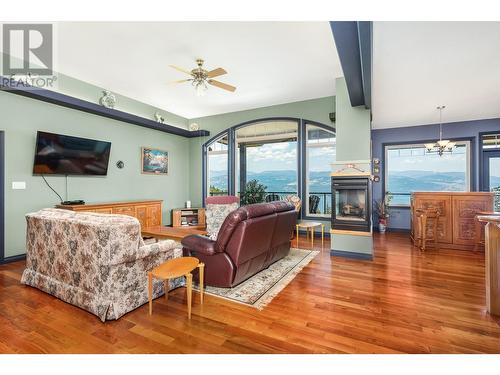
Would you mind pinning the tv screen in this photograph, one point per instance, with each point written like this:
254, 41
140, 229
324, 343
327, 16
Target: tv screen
66, 155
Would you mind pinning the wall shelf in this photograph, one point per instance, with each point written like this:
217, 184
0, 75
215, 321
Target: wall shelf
96, 109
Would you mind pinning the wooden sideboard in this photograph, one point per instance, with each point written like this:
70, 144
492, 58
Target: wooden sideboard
148, 212
456, 226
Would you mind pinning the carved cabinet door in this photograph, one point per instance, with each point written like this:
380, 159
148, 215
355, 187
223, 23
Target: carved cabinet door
443, 203
141, 214
465, 209
154, 215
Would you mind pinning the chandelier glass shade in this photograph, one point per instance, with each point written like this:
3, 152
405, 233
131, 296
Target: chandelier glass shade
443, 145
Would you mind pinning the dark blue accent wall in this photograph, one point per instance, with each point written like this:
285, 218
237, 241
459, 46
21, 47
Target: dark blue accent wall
418, 134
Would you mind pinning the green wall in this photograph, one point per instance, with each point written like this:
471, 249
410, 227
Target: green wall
353, 143
314, 110
353, 127
22, 117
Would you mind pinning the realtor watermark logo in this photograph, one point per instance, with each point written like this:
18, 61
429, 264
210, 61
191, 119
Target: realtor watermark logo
28, 55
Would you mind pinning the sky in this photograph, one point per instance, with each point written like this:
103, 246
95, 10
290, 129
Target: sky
405, 161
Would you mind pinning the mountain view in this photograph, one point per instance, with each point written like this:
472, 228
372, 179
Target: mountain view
399, 182
280, 181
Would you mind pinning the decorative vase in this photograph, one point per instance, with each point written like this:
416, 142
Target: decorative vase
382, 227
107, 100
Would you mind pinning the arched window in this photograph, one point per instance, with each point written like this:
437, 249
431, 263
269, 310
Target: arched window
267, 152
288, 156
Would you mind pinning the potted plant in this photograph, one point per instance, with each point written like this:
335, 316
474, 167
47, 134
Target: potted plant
383, 212
254, 193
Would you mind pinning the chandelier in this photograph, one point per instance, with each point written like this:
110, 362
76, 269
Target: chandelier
443, 145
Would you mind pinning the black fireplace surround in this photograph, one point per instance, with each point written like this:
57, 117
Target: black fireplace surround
351, 203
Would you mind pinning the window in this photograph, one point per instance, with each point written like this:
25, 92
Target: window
217, 166
320, 153
411, 168
267, 152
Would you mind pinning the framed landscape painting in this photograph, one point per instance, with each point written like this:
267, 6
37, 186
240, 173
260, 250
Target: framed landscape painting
154, 161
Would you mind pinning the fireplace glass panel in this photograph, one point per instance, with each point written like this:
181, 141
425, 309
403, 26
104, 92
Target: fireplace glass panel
351, 205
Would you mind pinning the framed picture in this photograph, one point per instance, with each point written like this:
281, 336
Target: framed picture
154, 161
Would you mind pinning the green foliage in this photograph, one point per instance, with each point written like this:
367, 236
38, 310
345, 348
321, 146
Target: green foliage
216, 191
254, 193
381, 207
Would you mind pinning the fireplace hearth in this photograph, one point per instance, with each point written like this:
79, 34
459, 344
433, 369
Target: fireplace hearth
351, 203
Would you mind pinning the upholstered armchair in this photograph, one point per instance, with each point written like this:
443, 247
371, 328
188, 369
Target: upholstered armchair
216, 210
295, 200
98, 262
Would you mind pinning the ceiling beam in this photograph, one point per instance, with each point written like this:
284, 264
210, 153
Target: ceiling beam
353, 42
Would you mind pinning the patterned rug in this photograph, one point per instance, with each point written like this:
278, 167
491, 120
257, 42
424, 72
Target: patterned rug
261, 288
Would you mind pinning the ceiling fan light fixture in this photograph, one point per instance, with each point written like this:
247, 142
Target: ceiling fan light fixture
201, 78
201, 89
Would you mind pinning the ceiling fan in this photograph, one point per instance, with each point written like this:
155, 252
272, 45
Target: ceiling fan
201, 77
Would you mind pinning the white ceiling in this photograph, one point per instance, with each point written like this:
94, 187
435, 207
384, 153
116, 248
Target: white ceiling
269, 62
419, 65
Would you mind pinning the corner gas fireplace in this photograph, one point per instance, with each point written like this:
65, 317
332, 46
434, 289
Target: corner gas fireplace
351, 203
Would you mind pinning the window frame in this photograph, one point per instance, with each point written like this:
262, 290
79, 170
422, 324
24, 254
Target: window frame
205, 163
306, 174
483, 183
469, 173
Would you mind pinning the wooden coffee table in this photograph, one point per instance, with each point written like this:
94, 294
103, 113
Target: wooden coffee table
171, 233
172, 269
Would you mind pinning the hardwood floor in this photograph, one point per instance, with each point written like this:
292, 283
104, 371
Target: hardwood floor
402, 301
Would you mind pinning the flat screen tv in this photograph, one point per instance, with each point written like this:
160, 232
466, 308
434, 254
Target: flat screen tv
66, 155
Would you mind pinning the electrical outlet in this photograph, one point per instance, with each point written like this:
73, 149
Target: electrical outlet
18, 185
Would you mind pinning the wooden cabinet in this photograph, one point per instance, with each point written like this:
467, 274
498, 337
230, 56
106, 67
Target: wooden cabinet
188, 217
456, 226
149, 212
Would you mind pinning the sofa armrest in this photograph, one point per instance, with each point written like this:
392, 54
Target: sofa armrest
156, 248
199, 244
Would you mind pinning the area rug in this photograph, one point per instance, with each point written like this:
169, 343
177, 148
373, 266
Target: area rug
261, 288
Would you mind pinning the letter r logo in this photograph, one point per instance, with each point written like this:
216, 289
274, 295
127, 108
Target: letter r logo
27, 48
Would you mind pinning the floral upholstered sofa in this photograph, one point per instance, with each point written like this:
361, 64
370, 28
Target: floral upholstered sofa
98, 262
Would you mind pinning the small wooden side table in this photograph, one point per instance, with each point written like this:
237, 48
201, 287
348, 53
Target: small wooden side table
310, 225
172, 269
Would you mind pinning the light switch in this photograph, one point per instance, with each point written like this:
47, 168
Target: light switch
18, 185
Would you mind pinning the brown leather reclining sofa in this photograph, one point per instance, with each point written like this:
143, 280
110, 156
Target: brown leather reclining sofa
250, 239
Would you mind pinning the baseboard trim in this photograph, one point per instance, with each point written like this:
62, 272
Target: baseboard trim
13, 258
349, 254
393, 230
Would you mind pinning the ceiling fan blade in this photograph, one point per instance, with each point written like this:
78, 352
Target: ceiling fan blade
221, 85
179, 81
180, 69
216, 72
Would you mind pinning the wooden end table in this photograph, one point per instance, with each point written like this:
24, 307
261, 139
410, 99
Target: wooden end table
172, 269
310, 225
